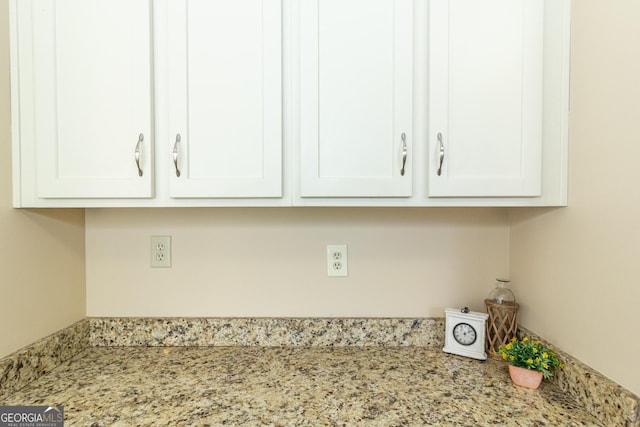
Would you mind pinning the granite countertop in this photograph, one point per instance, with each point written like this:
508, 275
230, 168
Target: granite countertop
296, 386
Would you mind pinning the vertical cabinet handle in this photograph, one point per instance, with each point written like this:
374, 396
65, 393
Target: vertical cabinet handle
441, 153
404, 152
175, 154
137, 153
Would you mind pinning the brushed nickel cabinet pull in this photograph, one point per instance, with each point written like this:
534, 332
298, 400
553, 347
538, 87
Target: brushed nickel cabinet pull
137, 153
175, 154
441, 153
404, 152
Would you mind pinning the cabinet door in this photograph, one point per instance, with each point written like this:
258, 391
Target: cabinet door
485, 97
355, 98
225, 95
85, 96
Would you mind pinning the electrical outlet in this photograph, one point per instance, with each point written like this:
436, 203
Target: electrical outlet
161, 251
337, 260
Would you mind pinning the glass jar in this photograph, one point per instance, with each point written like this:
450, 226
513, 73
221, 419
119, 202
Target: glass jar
501, 294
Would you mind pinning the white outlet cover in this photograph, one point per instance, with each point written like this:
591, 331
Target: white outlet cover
337, 261
161, 251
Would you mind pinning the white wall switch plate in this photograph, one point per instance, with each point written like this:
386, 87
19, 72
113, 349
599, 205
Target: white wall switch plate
161, 251
337, 260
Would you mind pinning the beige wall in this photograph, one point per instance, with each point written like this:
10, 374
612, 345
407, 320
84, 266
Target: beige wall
42, 284
272, 262
577, 270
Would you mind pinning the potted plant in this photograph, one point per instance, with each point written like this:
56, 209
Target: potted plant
529, 361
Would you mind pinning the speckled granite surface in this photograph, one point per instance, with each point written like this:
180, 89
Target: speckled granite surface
293, 386
334, 332
596, 393
114, 342
33, 361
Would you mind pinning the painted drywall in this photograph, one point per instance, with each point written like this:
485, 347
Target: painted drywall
576, 269
272, 261
42, 285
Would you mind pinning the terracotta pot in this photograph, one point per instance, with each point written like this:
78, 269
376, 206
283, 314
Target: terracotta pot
525, 377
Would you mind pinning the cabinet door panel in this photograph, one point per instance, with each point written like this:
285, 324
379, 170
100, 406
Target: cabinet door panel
225, 97
485, 97
356, 82
91, 97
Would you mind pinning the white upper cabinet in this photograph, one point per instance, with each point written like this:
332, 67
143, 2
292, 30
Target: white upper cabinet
151, 103
485, 98
84, 97
356, 69
225, 98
